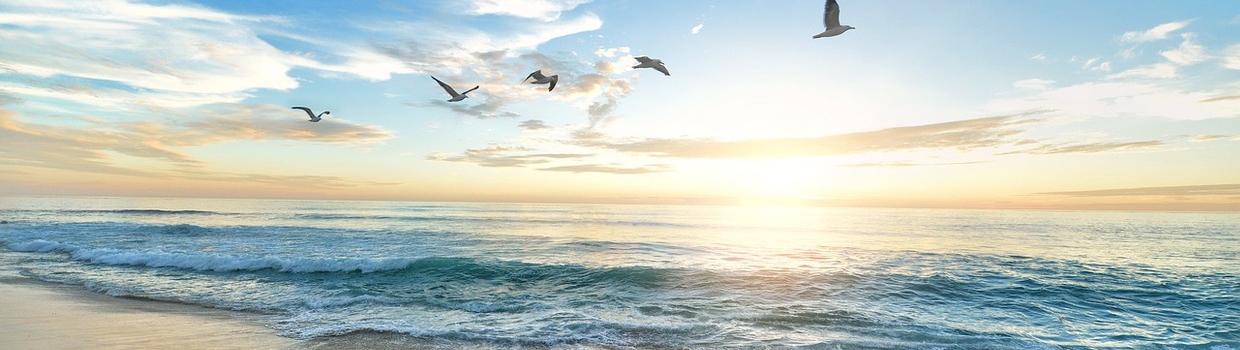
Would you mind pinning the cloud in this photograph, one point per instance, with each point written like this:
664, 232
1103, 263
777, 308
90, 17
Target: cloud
1188, 53
961, 135
488, 109
1221, 99
1089, 147
545, 10
1175, 191
1231, 57
504, 156
1205, 138
533, 124
168, 48
1154, 34
1040, 57
1153, 71
1033, 84
697, 28
609, 169
1125, 99
905, 163
90, 148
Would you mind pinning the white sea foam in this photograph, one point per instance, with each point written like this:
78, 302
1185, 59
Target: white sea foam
41, 246
224, 263
208, 262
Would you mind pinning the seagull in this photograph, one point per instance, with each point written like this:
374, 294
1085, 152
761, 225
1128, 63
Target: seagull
647, 62
455, 96
539, 78
313, 118
831, 19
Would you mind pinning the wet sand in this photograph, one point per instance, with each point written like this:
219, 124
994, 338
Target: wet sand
40, 315
36, 315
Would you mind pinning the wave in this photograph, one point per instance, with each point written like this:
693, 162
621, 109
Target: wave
498, 220
210, 262
185, 230
144, 212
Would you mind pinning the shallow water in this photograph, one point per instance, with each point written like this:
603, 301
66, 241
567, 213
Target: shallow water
622, 276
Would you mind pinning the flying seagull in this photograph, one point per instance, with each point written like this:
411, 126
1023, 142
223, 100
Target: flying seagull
313, 118
831, 19
539, 78
455, 96
647, 62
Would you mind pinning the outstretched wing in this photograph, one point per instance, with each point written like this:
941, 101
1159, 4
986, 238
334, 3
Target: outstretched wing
467, 91
831, 15
662, 69
445, 87
642, 59
308, 112
554, 79
537, 75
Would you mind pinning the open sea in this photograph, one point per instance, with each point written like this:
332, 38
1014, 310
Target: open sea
662, 277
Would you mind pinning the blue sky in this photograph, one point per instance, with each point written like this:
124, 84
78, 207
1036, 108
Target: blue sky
1060, 104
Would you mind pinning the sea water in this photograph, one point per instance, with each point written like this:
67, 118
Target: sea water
668, 277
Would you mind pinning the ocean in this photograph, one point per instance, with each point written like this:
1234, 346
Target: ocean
579, 276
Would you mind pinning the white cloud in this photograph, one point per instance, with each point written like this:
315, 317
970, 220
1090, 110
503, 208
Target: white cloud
1153, 71
1154, 34
171, 48
1188, 53
1231, 57
1040, 57
545, 10
1033, 84
1123, 99
697, 28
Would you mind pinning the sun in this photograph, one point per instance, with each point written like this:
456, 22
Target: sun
782, 179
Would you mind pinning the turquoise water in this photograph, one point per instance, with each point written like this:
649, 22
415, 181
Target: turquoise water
620, 276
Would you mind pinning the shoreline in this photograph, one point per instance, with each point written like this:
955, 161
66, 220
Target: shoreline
39, 315
44, 315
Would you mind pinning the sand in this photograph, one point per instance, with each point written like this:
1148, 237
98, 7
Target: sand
42, 315
39, 315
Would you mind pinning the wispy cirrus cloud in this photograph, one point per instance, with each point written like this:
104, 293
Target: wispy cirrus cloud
545, 10
1231, 57
504, 156
610, 169
905, 163
1175, 191
534, 124
176, 49
961, 135
89, 148
1159, 32
1097, 147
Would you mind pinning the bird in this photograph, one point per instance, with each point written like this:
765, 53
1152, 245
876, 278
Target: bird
313, 118
647, 62
831, 20
539, 78
455, 96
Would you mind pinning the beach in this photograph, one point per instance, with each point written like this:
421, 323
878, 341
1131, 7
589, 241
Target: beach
41, 315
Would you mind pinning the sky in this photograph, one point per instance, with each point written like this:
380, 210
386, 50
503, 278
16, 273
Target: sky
955, 103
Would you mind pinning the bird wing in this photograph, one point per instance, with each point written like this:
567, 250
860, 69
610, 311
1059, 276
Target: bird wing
307, 111
446, 87
831, 15
554, 79
467, 91
642, 59
662, 69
